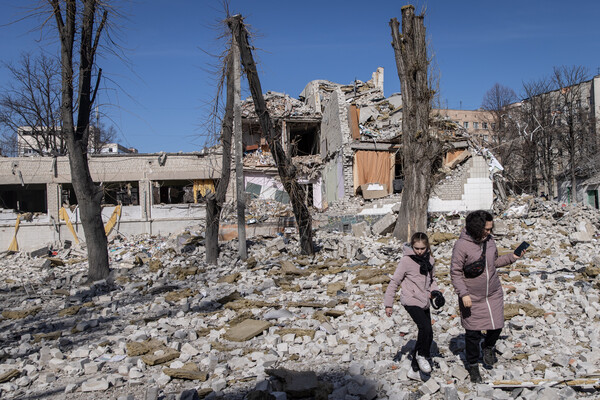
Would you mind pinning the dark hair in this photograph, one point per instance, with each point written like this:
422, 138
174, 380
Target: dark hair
475, 223
420, 237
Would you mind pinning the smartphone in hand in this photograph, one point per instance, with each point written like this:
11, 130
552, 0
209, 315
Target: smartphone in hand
519, 250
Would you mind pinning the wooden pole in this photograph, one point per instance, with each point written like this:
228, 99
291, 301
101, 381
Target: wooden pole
285, 167
239, 164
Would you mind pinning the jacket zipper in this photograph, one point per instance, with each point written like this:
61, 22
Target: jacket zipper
487, 291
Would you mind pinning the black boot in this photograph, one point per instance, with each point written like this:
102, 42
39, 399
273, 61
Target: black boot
489, 356
474, 374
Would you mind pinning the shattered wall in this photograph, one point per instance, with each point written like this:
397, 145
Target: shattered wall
335, 140
332, 132
468, 188
260, 185
139, 170
333, 178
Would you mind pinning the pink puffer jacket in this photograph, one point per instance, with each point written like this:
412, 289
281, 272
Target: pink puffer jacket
487, 296
416, 288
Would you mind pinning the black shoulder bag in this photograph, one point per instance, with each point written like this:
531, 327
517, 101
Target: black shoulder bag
476, 268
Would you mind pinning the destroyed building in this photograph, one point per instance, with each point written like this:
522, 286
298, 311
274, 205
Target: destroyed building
156, 193
346, 142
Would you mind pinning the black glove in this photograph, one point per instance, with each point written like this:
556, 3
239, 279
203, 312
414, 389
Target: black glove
437, 299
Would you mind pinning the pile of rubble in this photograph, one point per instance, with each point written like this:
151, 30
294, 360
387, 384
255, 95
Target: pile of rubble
259, 158
280, 105
281, 325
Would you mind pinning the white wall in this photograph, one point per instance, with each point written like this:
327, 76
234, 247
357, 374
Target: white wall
478, 191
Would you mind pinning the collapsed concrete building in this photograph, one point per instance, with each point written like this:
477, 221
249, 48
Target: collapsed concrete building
157, 193
346, 141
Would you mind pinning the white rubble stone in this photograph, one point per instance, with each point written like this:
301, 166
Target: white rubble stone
80, 353
332, 341
71, 388
124, 369
94, 385
429, 387
218, 385
189, 349
162, 379
135, 373
356, 369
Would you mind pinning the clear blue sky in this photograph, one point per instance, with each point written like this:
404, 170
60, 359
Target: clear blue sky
159, 99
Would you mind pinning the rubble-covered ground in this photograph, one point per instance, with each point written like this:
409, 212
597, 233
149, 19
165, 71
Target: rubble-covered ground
282, 325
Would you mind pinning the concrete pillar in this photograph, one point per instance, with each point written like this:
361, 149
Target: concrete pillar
53, 195
145, 199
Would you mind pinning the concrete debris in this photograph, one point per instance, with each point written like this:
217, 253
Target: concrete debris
283, 325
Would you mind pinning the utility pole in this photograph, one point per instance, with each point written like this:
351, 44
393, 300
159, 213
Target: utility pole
239, 165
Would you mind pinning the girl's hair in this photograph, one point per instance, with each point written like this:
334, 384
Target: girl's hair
475, 223
420, 237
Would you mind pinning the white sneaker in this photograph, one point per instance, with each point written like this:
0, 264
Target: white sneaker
415, 375
423, 364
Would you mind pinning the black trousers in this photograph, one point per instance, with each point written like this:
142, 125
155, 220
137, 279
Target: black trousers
422, 318
472, 339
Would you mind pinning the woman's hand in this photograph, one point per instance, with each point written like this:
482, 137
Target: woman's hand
522, 254
388, 311
467, 301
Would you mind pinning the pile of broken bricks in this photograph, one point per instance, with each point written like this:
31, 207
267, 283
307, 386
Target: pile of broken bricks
282, 325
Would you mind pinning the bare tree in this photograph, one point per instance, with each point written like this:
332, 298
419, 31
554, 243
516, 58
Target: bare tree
421, 148
30, 105
285, 167
75, 112
497, 101
215, 201
101, 135
574, 127
30, 110
538, 133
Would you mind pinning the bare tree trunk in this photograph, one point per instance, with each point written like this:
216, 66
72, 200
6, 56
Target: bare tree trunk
573, 177
287, 171
239, 153
215, 200
89, 195
420, 147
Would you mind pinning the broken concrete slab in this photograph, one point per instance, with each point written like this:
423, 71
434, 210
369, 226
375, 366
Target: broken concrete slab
160, 356
384, 225
186, 373
8, 375
246, 330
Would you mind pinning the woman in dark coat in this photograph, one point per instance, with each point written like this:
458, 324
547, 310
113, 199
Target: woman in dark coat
481, 298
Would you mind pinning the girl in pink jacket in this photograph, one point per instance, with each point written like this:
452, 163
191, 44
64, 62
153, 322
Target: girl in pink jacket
415, 273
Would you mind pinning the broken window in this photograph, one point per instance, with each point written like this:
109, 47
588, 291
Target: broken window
593, 198
374, 167
124, 193
67, 195
398, 183
304, 138
28, 198
173, 192
251, 136
113, 193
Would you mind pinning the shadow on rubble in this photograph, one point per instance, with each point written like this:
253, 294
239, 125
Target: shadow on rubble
299, 385
457, 347
82, 323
